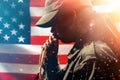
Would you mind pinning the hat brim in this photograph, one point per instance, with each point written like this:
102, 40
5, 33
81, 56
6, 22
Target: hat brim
45, 20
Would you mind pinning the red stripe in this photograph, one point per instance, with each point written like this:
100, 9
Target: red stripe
27, 59
40, 40
19, 58
34, 20
16, 76
37, 3
63, 59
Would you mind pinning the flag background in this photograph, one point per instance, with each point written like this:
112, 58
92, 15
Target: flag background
20, 61
19, 58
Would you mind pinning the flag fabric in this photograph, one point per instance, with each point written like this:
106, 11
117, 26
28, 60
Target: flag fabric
21, 40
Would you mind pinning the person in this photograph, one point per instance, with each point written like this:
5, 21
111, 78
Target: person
95, 54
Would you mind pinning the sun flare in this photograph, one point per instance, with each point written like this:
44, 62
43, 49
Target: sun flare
111, 7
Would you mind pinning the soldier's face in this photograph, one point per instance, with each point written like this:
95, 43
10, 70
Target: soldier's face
63, 28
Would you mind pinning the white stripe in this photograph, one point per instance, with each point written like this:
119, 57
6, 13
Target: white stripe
36, 11
30, 49
20, 68
101, 9
19, 49
64, 49
37, 31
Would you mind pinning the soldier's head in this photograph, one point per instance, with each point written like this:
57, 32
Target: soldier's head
61, 16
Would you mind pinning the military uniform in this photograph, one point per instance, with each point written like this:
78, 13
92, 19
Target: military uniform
93, 61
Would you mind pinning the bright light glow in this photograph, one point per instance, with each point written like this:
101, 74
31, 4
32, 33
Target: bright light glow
118, 26
112, 6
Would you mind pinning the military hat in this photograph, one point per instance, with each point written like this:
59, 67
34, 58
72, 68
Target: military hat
52, 7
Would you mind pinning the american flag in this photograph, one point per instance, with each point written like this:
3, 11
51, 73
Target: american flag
21, 40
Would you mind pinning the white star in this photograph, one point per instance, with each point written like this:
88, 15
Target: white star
6, 37
21, 39
14, 20
0, 19
0, 31
13, 32
21, 26
21, 12
13, 5
6, 25
20, 1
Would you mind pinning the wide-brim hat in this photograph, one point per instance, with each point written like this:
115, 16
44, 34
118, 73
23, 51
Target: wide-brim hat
52, 7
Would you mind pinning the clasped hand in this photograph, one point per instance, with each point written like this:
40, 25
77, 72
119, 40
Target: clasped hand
51, 46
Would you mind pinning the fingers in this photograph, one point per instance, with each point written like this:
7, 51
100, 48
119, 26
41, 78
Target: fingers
53, 38
49, 42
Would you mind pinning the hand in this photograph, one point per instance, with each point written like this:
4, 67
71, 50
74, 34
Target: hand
51, 46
